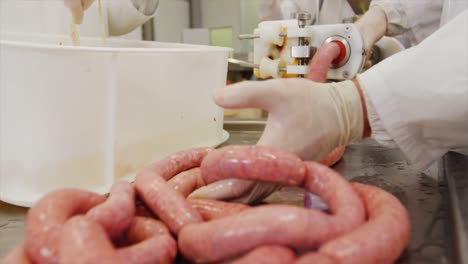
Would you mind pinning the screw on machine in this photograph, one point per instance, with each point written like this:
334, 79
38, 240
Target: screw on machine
302, 18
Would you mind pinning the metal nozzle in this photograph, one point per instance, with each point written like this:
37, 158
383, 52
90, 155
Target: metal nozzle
255, 36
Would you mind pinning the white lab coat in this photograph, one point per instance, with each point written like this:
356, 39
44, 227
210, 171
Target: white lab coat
418, 99
331, 12
52, 17
411, 20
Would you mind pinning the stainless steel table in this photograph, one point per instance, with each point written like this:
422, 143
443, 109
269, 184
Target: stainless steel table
438, 210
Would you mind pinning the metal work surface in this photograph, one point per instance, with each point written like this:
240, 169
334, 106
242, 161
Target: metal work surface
432, 239
455, 172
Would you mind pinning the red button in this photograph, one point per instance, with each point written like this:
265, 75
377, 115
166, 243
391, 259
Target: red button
340, 58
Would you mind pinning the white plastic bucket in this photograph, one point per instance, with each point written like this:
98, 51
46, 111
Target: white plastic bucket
86, 116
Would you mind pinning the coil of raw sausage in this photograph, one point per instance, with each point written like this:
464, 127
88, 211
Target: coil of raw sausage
239, 233
381, 239
83, 241
45, 219
253, 162
268, 255
187, 181
116, 213
166, 203
151, 242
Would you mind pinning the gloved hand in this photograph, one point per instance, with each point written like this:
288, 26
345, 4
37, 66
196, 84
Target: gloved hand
307, 118
77, 8
372, 25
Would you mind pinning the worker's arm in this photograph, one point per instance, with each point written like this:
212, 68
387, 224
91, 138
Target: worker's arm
418, 99
384, 17
123, 15
396, 15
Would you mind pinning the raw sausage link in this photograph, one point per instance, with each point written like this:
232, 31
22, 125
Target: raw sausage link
187, 181
17, 256
235, 235
179, 162
381, 239
253, 162
239, 233
116, 213
152, 243
45, 219
169, 205
268, 255
322, 61
142, 210
84, 241
212, 209
318, 70
337, 193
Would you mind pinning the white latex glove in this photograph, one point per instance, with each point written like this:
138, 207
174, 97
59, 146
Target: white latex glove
307, 118
77, 8
372, 25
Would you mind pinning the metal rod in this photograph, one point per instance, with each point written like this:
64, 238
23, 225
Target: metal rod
249, 36
255, 36
461, 241
252, 65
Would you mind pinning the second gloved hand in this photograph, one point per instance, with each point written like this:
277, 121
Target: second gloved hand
77, 8
307, 118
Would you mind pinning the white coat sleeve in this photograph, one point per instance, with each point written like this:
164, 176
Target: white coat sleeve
418, 99
397, 17
126, 16
418, 19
